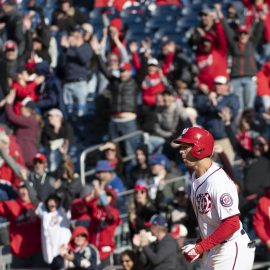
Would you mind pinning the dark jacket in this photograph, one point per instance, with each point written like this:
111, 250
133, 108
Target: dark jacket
160, 255
208, 114
65, 132
243, 60
124, 93
75, 62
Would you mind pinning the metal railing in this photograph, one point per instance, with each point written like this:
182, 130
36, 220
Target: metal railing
89, 150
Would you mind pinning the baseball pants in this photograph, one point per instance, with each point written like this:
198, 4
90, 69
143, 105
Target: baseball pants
237, 254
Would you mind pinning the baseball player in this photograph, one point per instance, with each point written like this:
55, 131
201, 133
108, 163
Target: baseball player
215, 202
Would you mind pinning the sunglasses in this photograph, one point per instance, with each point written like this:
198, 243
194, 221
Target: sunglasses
80, 235
140, 191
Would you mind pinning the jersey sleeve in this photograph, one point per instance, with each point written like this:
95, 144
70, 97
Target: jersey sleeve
225, 196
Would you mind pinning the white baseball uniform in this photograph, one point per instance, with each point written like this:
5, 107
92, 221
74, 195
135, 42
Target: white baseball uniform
214, 198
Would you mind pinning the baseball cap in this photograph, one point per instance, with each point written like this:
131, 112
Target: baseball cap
205, 10
179, 230
152, 62
78, 28
140, 185
10, 45
159, 159
220, 80
242, 29
168, 91
157, 220
55, 112
28, 102
125, 66
103, 166
41, 157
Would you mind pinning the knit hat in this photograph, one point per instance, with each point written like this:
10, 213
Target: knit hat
140, 185
117, 23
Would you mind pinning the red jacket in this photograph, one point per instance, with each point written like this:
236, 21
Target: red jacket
263, 80
214, 63
104, 221
6, 172
22, 92
24, 230
151, 86
261, 219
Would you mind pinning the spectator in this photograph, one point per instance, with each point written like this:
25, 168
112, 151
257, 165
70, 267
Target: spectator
50, 91
159, 170
263, 85
153, 83
107, 177
183, 92
9, 64
206, 27
174, 63
55, 227
57, 137
211, 57
111, 152
78, 254
232, 17
141, 208
27, 126
181, 211
123, 104
142, 169
23, 223
66, 17
42, 181
179, 232
242, 49
67, 185
161, 254
129, 260
25, 87
75, 64
209, 107
13, 24
104, 220
261, 218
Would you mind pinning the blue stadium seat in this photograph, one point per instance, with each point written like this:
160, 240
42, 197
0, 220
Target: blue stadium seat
172, 10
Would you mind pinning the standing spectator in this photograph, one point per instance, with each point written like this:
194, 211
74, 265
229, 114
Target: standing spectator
27, 126
161, 254
210, 106
66, 17
25, 87
104, 220
40, 179
123, 104
206, 27
23, 223
50, 91
153, 83
211, 57
78, 254
56, 137
13, 20
75, 64
261, 219
242, 49
55, 227
263, 85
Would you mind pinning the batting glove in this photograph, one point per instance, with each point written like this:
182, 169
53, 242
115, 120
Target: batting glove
192, 252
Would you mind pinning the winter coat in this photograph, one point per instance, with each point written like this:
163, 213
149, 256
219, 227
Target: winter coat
263, 80
27, 132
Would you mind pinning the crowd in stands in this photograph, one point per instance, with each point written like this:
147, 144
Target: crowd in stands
76, 74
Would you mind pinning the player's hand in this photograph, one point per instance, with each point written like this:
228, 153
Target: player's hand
192, 252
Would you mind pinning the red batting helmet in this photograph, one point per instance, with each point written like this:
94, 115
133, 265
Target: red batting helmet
202, 140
